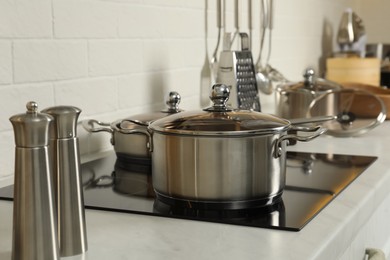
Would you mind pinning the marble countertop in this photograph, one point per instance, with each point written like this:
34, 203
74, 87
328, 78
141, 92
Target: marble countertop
130, 236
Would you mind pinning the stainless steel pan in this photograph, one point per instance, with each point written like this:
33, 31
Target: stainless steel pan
220, 156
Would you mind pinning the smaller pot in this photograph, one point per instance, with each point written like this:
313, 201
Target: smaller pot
133, 147
293, 99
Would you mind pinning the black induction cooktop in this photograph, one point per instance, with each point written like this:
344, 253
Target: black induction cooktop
313, 180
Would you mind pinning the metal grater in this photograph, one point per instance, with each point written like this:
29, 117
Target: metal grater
236, 69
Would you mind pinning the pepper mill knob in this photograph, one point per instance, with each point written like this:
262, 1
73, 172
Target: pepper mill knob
32, 107
31, 129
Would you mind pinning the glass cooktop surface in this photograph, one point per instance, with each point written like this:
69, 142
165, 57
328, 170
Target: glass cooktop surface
313, 180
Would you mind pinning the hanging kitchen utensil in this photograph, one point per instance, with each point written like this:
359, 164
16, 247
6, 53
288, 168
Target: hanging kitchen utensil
236, 20
262, 79
272, 74
357, 111
220, 25
205, 73
250, 24
236, 70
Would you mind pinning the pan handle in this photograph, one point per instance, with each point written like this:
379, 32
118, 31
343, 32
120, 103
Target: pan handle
89, 125
318, 130
143, 131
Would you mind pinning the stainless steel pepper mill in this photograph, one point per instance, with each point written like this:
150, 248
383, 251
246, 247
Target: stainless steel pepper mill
34, 220
72, 236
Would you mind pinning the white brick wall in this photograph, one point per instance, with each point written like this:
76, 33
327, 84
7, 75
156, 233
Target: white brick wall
26, 19
115, 58
5, 62
48, 60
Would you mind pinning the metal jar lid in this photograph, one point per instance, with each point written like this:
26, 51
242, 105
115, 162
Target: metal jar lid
310, 84
31, 129
220, 120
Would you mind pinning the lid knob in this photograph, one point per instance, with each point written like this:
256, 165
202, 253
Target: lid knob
173, 101
31, 129
219, 96
309, 78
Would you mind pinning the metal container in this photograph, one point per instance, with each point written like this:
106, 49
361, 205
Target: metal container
293, 99
34, 220
222, 157
133, 147
72, 234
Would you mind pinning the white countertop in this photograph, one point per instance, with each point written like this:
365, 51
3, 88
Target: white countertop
131, 236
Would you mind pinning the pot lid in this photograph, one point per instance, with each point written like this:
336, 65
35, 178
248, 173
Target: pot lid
356, 111
219, 119
142, 120
311, 83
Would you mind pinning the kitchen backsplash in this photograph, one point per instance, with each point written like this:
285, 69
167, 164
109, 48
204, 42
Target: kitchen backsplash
116, 58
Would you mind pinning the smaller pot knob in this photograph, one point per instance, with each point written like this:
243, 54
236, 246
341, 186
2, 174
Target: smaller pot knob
309, 78
173, 102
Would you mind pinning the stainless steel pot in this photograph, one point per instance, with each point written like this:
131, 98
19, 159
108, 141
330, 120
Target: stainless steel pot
222, 157
293, 99
133, 147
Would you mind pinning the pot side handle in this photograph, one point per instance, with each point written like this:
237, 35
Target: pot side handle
89, 125
139, 131
293, 136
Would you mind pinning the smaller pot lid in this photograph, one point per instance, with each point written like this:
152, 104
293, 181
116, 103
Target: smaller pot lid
220, 119
310, 83
356, 111
143, 120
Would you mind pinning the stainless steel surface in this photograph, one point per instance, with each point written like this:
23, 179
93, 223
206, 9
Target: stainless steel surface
220, 154
293, 99
34, 220
217, 169
236, 69
72, 234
